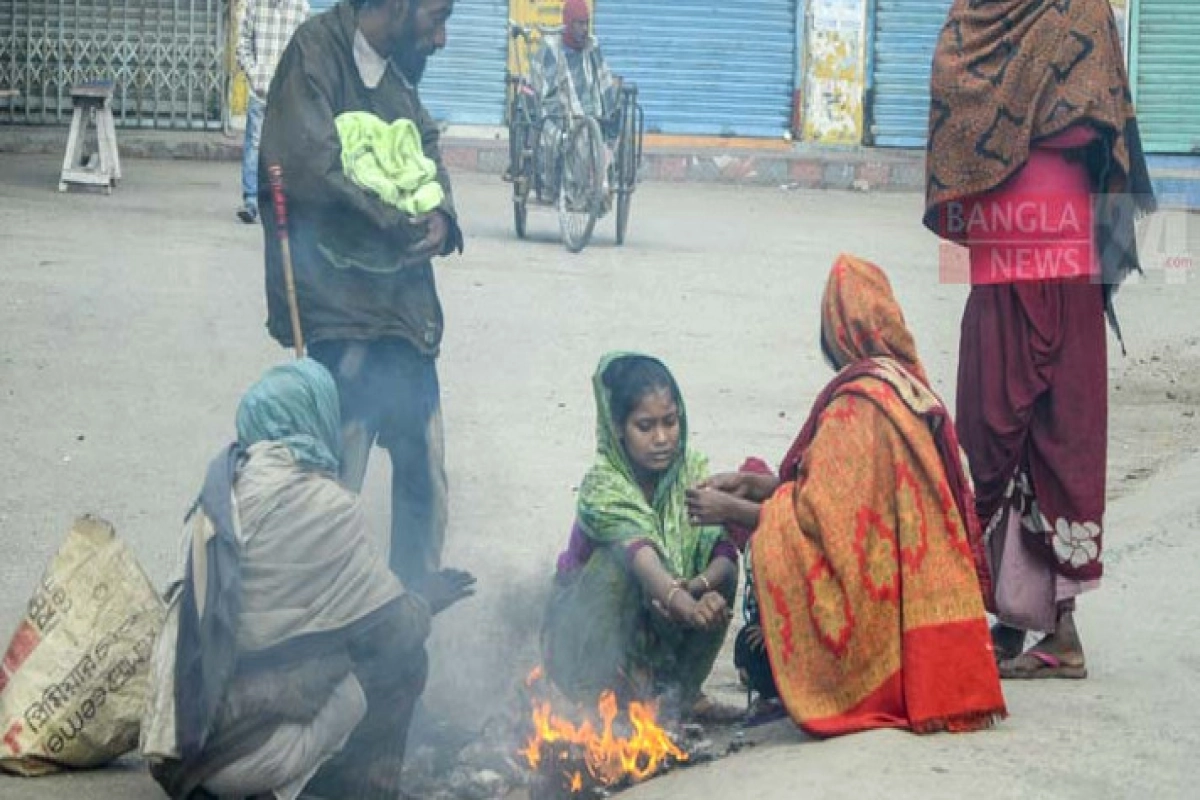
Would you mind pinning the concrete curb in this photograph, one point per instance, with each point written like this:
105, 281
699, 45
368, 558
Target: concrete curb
795, 168
1176, 178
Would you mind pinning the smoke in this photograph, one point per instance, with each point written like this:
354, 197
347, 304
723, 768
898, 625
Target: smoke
482, 649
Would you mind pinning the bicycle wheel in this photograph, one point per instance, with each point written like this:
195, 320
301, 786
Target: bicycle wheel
579, 197
520, 215
624, 199
520, 158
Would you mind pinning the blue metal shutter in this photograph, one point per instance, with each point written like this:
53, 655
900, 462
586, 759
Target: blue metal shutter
705, 66
465, 82
1166, 66
905, 35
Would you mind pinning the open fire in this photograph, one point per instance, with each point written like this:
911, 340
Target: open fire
604, 749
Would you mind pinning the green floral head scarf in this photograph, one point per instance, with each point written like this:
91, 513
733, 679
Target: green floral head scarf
612, 507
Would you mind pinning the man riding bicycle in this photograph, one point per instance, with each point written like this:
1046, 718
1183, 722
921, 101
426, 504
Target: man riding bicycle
571, 70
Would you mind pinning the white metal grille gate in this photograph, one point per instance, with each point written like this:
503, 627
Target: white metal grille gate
166, 58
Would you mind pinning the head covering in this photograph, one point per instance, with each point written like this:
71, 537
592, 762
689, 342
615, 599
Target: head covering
1008, 73
296, 404
870, 571
574, 11
614, 510
992, 100
860, 318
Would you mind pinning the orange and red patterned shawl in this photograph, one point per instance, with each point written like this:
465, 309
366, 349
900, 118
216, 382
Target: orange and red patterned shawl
868, 564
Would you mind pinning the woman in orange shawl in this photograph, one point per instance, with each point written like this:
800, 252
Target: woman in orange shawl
867, 560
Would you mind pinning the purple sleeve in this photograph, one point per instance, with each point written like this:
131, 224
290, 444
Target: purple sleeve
739, 535
579, 550
724, 548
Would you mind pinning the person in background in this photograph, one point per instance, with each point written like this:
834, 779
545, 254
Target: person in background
264, 30
368, 301
1031, 114
868, 569
642, 595
570, 71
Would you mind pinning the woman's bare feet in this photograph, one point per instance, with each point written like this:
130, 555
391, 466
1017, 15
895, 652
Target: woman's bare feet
1059, 655
707, 711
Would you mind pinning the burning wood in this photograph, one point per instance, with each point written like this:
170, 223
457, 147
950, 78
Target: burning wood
606, 749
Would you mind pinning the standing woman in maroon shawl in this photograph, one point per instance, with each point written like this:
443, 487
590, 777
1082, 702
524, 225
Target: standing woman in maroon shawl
1035, 165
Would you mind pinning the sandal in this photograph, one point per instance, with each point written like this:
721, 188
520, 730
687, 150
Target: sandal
764, 712
1040, 665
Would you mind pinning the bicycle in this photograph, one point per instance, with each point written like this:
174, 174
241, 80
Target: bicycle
570, 178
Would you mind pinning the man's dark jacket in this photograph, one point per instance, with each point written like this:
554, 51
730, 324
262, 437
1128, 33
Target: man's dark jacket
353, 280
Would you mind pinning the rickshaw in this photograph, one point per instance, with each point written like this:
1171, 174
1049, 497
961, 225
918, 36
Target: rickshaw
570, 176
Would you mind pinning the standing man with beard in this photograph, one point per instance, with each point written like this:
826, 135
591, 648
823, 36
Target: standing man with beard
364, 276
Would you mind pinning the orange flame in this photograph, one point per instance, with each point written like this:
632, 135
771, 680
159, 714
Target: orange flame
536, 675
608, 757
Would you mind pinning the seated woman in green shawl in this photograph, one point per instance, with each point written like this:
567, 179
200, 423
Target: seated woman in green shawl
642, 596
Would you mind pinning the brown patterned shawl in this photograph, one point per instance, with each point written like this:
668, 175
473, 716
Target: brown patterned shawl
1007, 73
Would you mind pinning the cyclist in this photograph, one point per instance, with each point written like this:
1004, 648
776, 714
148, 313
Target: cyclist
572, 61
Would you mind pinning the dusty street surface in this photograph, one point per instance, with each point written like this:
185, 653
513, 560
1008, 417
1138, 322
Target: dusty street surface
130, 325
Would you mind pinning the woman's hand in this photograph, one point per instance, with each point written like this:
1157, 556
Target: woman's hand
733, 483
709, 613
708, 506
753, 486
698, 586
721, 576
754, 637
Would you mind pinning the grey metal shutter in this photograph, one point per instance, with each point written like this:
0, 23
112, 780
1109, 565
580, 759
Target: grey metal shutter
1165, 62
465, 82
705, 66
905, 33
166, 58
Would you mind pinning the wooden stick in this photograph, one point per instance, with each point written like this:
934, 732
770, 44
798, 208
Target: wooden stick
275, 172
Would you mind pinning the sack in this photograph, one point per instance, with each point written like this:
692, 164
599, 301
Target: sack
73, 682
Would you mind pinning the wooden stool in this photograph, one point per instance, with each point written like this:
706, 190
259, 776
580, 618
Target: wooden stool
93, 107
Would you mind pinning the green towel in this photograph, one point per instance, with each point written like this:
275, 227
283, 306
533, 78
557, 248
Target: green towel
388, 160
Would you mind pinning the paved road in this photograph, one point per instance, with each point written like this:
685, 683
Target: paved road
130, 325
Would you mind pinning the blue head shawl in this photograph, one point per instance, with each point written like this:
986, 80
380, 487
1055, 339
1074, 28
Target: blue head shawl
296, 404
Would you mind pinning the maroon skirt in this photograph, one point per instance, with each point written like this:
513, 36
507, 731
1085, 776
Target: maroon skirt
1032, 414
